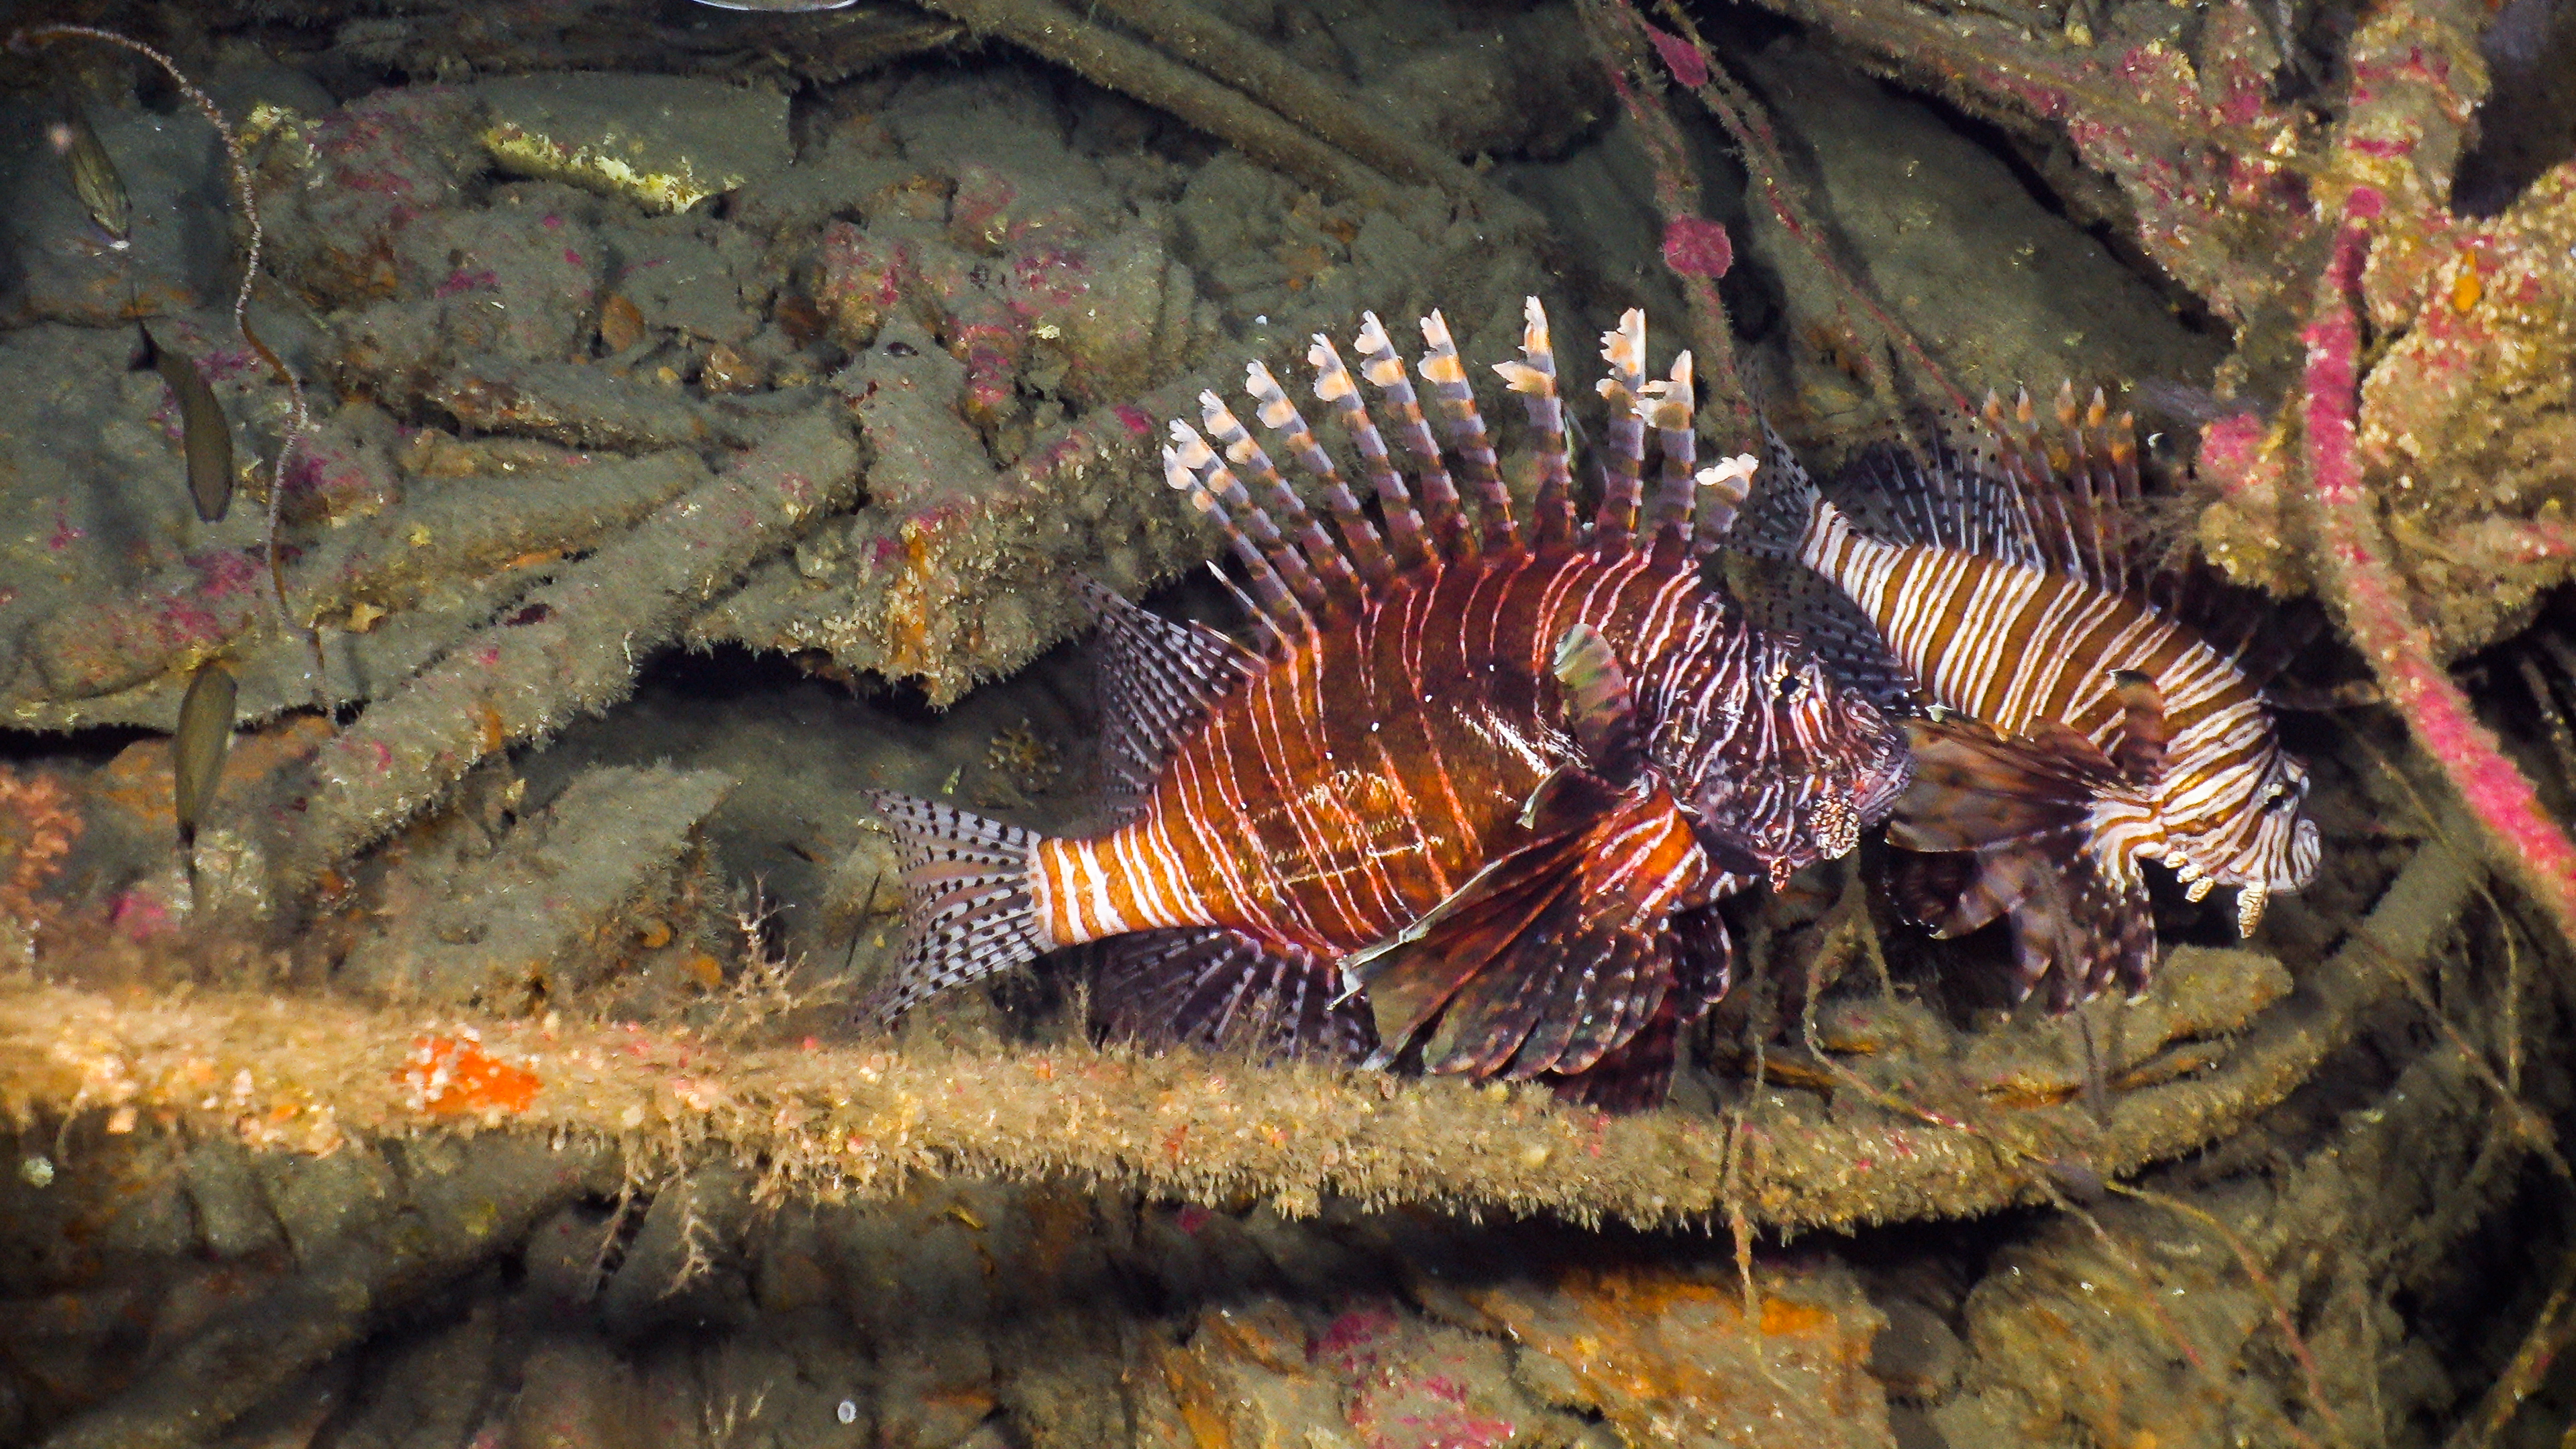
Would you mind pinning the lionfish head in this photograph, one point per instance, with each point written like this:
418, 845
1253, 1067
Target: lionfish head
2242, 824
1815, 763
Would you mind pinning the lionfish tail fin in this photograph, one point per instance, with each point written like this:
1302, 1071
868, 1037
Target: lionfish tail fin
969, 907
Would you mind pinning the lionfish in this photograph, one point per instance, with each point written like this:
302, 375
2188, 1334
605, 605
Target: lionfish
2070, 723
1471, 800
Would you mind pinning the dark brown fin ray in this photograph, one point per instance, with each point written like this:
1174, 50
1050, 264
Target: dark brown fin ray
1633, 1076
1359, 536
1218, 989
1534, 379
1411, 975
1157, 677
1629, 991
1598, 707
1623, 451
1407, 544
2081, 932
1703, 957
1320, 553
1925, 491
2138, 750
1496, 1010
1411, 984
1581, 956
1447, 377
2007, 825
1437, 495
1973, 788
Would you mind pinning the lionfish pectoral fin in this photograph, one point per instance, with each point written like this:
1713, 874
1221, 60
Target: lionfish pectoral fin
1416, 973
1582, 974
2250, 900
1974, 789
1598, 707
1212, 987
1632, 1076
2082, 930
2138, 750
969, 907
1703, 955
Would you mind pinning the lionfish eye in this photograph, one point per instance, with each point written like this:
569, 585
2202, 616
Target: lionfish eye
1789, 686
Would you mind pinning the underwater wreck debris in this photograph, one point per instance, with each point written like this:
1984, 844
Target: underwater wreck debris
456, 1208
1648, 1350
1257, 68
92, 655
298, 420
705, 137
862, 1121
600, 617
1139, 70
541, 919
1695, 249
2527, 841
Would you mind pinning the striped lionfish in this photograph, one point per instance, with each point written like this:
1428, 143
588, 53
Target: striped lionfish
2076, 725
1471, 800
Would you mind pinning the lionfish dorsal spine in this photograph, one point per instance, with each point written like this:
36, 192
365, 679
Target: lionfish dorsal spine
1447, 377
1359, 536
1271, 602
1614, 525
1721, 488
1534, 379
1335, 387
1209, 467
1668, 408
1437, 493
1321, 555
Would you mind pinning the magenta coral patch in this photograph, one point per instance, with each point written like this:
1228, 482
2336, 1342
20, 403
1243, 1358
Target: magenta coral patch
1680, 57
1697, 247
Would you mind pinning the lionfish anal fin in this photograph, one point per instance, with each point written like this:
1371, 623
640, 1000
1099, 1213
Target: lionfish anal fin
1217, 988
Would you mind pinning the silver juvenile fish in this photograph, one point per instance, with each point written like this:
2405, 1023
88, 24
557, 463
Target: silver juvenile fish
197, 754
204, 432
94, 176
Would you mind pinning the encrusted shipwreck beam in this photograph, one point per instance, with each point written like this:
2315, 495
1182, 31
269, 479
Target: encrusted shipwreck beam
863, 1120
